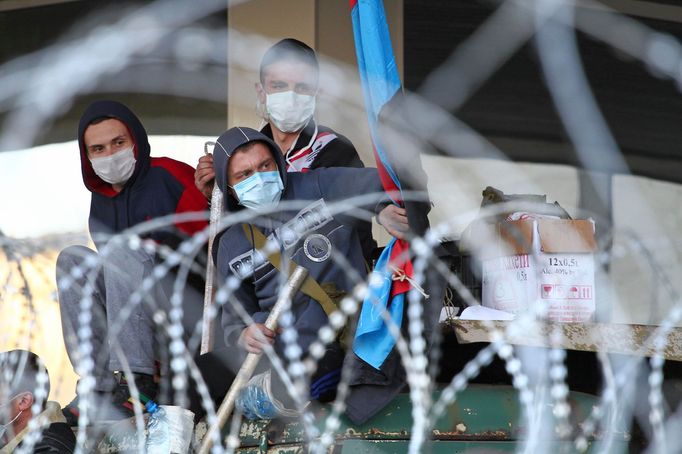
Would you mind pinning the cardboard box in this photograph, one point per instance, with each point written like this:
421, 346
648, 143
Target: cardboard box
548, 261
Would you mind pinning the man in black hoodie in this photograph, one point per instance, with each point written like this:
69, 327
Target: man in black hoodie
21, 385
128, 187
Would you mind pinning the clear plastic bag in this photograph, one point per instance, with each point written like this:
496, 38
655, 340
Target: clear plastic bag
169, 429
158, 432
255, 401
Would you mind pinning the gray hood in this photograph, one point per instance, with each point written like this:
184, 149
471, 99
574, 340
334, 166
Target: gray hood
229, 141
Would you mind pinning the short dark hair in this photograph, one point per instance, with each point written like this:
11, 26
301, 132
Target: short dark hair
19, 371
249, 145
288, 49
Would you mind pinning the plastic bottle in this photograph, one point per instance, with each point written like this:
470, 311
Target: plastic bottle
254, 403
255, 400
158, 430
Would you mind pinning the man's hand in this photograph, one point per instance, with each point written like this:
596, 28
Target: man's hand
254, 337
394, 220
204, 175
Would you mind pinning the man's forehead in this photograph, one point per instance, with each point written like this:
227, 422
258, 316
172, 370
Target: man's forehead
290, 71
252, 156
107, 129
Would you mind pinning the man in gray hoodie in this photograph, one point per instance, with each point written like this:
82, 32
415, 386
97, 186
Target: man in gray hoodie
305, 216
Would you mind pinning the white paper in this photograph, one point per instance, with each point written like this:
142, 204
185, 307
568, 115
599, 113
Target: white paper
484, 313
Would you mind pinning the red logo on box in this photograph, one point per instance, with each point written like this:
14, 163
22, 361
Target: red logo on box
570, 292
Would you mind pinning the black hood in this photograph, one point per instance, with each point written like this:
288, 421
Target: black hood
112, 109
229, 141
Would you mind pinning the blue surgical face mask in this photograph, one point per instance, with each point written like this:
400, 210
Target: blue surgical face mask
260, 189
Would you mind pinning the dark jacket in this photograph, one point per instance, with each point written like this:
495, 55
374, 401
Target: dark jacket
327, 149
158, 186
327, 237
320, 147
57, 438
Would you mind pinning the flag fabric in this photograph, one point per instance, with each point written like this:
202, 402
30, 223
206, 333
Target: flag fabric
380, 83
373, 341
378, 75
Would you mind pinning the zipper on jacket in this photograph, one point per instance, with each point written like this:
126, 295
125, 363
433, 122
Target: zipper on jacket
116, 228
127, 203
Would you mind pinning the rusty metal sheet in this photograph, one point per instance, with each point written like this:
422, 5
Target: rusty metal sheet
606, 337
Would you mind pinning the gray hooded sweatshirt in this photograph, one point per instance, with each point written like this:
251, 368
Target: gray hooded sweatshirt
311, 234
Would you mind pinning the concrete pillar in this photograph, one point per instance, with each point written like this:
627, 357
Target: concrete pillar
253, 26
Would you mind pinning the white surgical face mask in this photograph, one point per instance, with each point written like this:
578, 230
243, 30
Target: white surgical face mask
116, 168
289, 111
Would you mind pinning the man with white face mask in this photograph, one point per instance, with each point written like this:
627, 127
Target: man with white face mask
286, 96
129, 187
23, 383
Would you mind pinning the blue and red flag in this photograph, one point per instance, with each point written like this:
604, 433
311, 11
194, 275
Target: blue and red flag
380, 83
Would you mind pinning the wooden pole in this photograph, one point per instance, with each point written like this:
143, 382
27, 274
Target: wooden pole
292, 286
209, 290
